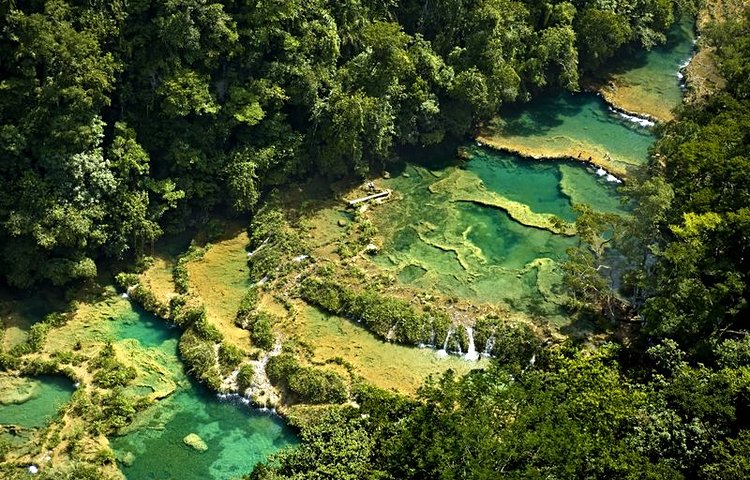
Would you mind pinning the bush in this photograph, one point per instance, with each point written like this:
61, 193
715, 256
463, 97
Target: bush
110, 372
245, 377
261, 332
388, 317
126, 280
206, 330
200, 358
512, 343
37, 334
180, 271
229, 357
312, 385
307, 384
281, 367
247, 306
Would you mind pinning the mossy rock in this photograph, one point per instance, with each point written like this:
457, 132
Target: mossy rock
127, 459
17, 390
195, 442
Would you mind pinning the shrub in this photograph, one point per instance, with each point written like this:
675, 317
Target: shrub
307, 384
206, 330
126, 280
110, 372
387, 317
245, 377
261, 332
200, 358
247, 305
312, 385
280, 367
229, 356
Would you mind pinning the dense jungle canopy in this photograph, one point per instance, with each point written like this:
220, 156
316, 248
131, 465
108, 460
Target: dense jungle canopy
125, 121
122, 120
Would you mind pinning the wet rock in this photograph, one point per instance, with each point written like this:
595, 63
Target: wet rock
195, 442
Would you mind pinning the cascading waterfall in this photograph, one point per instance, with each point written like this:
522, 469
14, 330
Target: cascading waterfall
488, 347
443, 352
471, 352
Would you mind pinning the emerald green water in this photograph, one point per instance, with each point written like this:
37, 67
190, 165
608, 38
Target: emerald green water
655, 75
237, 436
570, 124
45, 395
466, 249
478, 252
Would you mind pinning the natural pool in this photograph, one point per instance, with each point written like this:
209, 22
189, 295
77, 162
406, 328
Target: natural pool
437, 240
566, 125
649, 82
236, 435
32, 402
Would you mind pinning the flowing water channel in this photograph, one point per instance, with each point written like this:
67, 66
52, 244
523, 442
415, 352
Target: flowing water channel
236, 435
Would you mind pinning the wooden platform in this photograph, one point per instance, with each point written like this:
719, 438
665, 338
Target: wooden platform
374, 196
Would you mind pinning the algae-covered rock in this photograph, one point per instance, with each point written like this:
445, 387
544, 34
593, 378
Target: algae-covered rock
17, 390
127, 458
195, 442
463, 186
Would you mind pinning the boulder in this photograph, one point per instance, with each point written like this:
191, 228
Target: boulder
195, 442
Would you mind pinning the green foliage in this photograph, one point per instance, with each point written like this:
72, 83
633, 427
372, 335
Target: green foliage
247, 305
200, 357
513, 344
692, 250
388, 317
229, 357
180, 269
306, 384
122, 120
108, 371
273, 243
574, 414
261, 331
245, 377
336, 446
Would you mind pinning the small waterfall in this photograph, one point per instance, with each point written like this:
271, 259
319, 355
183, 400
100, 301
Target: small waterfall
443, 352
488, 347
471, 352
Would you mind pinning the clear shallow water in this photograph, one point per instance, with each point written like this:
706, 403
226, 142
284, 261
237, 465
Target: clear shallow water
566, 124
45, 395
650, 81
479, 252
237, 436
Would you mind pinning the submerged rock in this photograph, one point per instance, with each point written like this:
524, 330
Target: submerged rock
127, 459
195, 442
